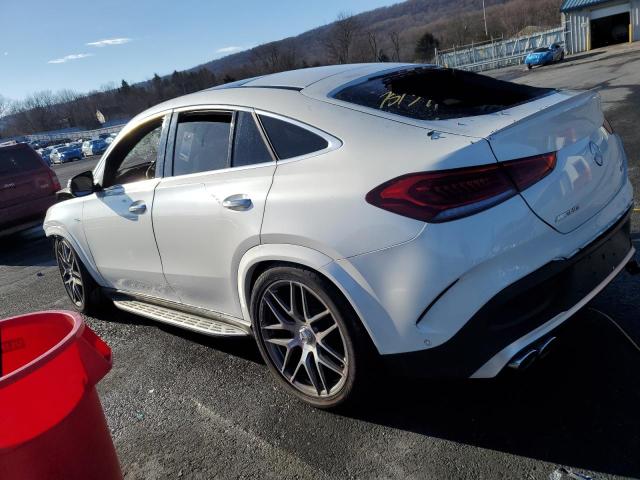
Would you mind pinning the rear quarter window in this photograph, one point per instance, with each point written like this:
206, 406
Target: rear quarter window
289, 140
19, 159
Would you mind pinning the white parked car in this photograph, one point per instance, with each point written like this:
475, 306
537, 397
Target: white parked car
436, 221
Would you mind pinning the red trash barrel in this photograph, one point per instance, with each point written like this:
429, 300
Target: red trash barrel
51, 421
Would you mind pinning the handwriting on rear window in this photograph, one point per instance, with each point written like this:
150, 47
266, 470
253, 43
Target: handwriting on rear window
406, 101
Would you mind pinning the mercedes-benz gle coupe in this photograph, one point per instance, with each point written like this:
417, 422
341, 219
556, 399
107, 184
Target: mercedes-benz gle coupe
429, 220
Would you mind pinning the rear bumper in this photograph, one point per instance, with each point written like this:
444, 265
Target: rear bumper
523, 312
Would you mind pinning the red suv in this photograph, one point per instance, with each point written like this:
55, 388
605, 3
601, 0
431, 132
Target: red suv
27, 188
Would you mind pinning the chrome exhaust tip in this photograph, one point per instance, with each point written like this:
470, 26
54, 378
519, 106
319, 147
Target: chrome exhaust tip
545, 347
524, 359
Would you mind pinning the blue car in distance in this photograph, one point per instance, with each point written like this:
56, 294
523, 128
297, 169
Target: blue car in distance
544, 56
66, 154
94, 147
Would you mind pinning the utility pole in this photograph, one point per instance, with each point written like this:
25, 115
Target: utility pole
484, 12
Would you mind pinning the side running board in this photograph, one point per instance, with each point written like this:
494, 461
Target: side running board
172, 316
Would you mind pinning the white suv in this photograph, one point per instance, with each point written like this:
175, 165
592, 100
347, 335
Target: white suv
439, 222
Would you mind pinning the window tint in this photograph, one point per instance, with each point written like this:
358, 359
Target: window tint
17, 160
289, 140
248, 146
202, 143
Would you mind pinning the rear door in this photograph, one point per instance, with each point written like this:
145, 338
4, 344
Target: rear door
23, 176
590, 166
208, 211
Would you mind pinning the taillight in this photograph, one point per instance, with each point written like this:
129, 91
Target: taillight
607, 126
526, 171
54, 181
446, 195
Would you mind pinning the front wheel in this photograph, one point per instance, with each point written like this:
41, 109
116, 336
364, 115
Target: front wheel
309, 337
82, 290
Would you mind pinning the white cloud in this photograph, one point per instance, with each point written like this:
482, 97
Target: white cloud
75, 56
109, 41
229, 49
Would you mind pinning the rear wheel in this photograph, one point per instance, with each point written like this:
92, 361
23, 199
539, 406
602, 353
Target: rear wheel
529, 66
308, 336
82, 290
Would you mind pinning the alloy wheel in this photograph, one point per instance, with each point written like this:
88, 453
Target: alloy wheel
70, 271
303, 339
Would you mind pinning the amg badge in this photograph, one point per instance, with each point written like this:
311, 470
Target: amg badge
569, 212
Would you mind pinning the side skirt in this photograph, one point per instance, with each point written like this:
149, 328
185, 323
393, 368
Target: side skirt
180, 315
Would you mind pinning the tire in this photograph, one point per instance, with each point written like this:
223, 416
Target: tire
529, 67
562, 56
320, 358
85, 294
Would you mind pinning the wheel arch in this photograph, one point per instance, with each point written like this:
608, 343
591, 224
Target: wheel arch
261, 258
55, 230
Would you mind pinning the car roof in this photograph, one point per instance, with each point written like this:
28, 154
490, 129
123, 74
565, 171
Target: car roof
324, 79
297, 79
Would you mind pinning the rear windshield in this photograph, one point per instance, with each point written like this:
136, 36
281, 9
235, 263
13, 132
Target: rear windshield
432, 93
541, 50
17, 160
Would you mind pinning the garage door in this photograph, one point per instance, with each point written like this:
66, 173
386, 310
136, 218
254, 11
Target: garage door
609, 11
610, 25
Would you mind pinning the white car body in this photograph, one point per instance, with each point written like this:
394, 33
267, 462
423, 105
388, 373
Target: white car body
415, 285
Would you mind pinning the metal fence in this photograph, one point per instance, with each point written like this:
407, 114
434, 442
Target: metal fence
75, 135
498, 53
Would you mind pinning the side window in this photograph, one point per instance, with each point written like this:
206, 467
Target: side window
202, 142
289, 140
248, 146
135, 158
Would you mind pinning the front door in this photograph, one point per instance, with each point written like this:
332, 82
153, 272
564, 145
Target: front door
117, 219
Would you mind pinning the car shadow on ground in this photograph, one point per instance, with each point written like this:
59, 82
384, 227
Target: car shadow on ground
578, 407
26, 249
582, 56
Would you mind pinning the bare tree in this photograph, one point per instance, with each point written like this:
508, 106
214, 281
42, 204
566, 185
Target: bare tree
266, 58
5, 106
340, 38
394, 36
374, 51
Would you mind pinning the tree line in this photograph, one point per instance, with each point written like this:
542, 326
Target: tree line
347, 40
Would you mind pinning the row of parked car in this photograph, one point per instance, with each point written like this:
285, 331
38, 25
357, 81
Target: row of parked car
71, 151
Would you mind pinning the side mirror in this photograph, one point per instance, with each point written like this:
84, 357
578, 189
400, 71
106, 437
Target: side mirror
82, 184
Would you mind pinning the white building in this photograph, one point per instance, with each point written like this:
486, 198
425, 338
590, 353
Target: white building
597, 23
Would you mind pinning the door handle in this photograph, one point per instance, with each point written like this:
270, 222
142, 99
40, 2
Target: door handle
237, 202
138, 207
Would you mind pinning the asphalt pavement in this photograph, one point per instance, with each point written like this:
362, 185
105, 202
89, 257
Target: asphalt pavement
185, 405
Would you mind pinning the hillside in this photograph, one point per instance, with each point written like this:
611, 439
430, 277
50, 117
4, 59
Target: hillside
395, 30
384, 34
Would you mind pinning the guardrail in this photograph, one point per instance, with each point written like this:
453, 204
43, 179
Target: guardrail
49, 137
498, 53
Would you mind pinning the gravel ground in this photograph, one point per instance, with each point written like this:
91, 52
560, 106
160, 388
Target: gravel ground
185, 405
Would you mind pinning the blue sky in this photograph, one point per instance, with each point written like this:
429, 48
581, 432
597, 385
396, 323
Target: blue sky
82, 45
